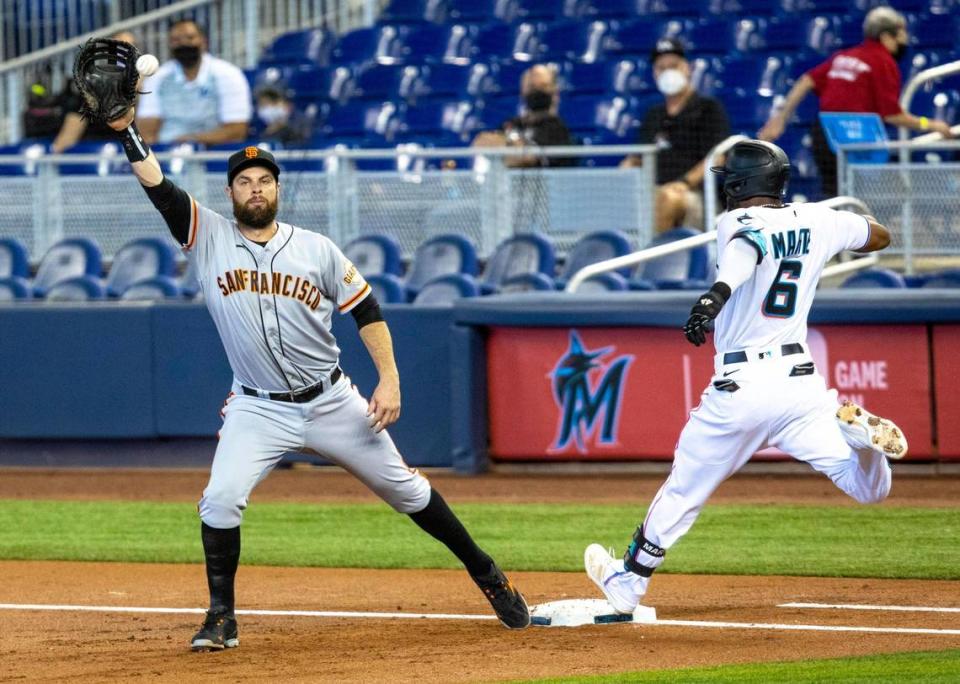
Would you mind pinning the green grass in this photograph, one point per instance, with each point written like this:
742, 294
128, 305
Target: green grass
756, 540
917, 668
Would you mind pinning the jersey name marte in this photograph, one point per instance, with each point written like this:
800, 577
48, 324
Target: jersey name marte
793, 244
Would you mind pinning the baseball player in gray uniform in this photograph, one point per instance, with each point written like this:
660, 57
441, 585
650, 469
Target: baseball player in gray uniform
271, 289
765, 390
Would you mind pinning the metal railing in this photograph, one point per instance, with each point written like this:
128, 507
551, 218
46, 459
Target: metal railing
412, 194
925, 76
237, 32
694, 241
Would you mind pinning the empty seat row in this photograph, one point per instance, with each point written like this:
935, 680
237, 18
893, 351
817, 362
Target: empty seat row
71, 270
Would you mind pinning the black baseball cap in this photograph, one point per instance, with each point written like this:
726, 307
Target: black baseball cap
251, 156
667, 46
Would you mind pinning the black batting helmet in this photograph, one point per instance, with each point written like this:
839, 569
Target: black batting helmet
754, 168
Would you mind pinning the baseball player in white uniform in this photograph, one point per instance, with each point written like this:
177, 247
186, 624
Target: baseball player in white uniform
765, 391
271, 289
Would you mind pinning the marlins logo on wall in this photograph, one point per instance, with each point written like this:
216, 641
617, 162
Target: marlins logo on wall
581, 404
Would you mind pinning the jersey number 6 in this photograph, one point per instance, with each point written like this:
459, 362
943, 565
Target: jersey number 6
782, 297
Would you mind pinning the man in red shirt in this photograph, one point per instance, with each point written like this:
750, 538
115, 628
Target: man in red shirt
864, 78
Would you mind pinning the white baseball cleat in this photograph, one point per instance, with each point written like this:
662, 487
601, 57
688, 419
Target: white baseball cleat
863, 430
609, 575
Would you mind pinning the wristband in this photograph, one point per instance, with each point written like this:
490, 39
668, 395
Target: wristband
133, 144
924, 123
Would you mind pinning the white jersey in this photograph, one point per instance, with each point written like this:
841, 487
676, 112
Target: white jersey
273, 305
793, 244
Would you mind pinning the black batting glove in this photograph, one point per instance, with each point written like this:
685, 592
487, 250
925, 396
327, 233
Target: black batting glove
706, 309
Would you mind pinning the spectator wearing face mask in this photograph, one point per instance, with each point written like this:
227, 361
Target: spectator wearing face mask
538, 126
864, 78
684, 128
195, 97
282, 125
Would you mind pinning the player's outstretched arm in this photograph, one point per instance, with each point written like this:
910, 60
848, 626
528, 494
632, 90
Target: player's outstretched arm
173, 203
384, 409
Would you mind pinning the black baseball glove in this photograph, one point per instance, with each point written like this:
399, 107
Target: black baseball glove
704, 311
105, 73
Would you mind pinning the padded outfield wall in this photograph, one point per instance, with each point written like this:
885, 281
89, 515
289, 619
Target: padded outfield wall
533, 377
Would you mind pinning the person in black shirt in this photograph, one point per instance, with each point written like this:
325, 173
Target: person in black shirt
75, 128
538, 126
684, 128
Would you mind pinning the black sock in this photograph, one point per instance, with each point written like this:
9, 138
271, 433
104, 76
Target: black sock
222, 550
440, 522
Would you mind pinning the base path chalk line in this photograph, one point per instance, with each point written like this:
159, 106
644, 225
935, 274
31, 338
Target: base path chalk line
857, 606
454, 616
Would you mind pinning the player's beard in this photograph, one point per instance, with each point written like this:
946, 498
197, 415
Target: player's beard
255, 216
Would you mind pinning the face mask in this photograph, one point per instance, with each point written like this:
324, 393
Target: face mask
538, 100
187, 55
271, 114
671, 82
900, 51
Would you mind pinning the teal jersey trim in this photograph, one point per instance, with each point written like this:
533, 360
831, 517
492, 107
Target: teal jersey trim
755, 238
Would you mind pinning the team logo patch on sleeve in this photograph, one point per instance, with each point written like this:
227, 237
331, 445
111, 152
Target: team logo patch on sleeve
350, 272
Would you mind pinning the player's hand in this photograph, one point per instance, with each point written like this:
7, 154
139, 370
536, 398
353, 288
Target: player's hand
696, 328
384, 408
123, 122
941, 127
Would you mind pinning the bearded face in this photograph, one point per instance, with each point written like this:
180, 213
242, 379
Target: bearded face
256, 212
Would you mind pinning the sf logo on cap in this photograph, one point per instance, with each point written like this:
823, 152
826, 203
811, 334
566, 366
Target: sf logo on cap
251, 152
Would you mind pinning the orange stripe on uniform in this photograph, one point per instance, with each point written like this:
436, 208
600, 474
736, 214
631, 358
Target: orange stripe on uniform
356, 297
193, 223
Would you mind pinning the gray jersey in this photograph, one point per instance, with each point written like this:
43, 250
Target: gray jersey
272, 305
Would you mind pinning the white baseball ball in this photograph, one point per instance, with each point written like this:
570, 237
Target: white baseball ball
147, 65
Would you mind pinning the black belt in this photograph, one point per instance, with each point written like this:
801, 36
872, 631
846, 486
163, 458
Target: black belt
741, 356
301, 397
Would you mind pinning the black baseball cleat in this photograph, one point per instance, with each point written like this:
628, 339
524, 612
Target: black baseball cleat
507, 602
219, 631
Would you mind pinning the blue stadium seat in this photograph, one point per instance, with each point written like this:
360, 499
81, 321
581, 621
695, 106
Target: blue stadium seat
358, 120
504, 42
949, 278
753, 74
387, 288
450, 44
272, 75
612, 9
78, 289
451, 80
547, 10
875, 277
67, 259
788, 34
925, 59
375, 254
525, 253
673, 269
749, 112
152, 289
189, 283
13, 259
382, 81
439, 256
603, 282
822, 6
711, 36
377, 44
434, 118
527, 282
446, 289
743, 8
312, 84
412, 11
139, 260
593, 248
111, 159
936, 104
310, 46
628, 76
589, 112
849, 30
491, 115
637, 36
14, 288
481, 11
572, 40
691, 8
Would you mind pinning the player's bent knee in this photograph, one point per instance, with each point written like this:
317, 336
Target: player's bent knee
412, 498
222, 512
